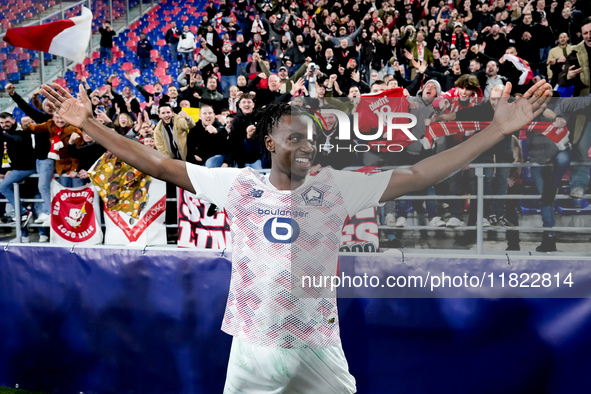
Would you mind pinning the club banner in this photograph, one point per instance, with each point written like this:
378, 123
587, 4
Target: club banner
75, 215
121, 187
199, 230
360, 233
147, 229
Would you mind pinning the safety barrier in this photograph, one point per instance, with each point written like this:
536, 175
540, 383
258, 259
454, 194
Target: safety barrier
132, 320
479, 197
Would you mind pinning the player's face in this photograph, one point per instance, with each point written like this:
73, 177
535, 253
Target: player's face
292, 152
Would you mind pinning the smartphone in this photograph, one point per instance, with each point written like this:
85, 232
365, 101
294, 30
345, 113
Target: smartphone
100, 107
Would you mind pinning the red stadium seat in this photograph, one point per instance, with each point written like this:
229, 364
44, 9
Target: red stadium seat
159, 72
35, 63
161, 43
127, 66
115, 82
154, 54
164, 65
166, 80
95, 55
62, 82
11, 68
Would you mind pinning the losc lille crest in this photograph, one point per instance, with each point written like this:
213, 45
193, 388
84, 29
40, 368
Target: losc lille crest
73, 216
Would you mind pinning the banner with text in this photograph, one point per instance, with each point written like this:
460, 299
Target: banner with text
200, 226
147, 229
75, 215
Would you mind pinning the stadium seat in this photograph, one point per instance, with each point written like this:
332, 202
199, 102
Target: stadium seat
575, 206
62, 82
127, 66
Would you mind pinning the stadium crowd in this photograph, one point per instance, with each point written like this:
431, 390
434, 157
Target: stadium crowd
450, 59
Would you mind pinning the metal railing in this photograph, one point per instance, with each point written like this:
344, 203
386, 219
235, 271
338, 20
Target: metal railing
479, 197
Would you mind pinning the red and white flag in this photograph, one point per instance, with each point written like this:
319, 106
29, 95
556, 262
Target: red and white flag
68, 37
526, 73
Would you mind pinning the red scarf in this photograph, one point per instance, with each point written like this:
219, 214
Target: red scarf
466, 40
440, 129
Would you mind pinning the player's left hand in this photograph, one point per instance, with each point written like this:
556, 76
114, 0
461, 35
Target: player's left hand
510, 117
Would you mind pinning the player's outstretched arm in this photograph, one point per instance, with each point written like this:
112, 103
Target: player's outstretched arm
509, 117
78, 113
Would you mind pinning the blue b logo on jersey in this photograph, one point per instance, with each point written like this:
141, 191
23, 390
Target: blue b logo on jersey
281, 230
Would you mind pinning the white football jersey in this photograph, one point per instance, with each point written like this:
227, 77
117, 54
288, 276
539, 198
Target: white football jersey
277, 237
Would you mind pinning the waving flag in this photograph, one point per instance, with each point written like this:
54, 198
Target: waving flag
68, 37
526, 73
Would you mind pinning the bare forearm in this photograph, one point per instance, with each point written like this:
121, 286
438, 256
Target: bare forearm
436, 168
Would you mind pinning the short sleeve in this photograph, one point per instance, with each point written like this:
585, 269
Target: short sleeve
212, 184
361, 191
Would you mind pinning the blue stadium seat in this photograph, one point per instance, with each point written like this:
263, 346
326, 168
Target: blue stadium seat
14, 77
529, 207
18, 114
575, 206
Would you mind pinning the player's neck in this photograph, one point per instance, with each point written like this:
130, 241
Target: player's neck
283, 181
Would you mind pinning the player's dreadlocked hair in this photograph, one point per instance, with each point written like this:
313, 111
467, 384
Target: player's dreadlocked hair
271, 117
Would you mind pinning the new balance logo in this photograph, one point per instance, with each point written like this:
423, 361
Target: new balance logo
255, 193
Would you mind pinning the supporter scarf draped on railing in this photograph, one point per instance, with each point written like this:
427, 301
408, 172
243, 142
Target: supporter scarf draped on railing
440, 129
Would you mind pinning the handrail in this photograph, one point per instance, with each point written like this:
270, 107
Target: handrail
478, 197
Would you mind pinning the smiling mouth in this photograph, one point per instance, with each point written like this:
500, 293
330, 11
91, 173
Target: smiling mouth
303, 161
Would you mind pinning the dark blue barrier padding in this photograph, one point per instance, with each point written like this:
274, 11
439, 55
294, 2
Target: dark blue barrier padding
116, 321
